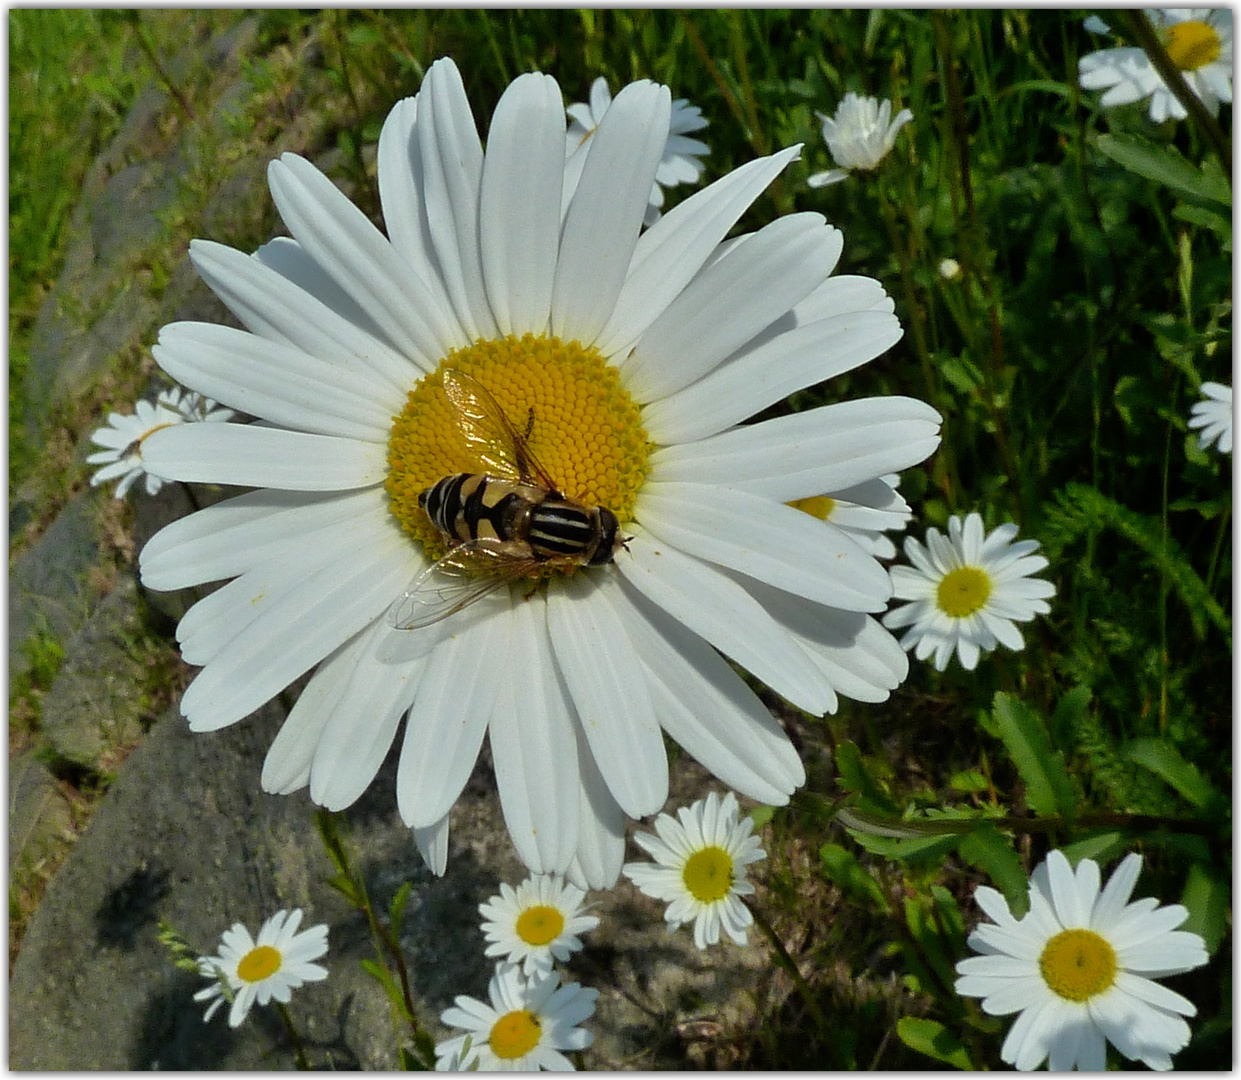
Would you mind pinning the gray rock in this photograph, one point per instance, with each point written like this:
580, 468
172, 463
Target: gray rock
49, 587
95, 706
185, 835
39, 814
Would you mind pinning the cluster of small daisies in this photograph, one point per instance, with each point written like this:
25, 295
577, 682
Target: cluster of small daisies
699, 870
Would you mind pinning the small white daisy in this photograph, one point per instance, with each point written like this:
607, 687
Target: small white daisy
536, 923
524, 1028
859, 136
1199, 43
124, 435
865, 512
258, 971
1079, 968
968, 591
1214, 417
680, 163
700, 868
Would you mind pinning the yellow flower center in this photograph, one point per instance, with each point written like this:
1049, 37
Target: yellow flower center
1078, 964
1192, 44
820, 506
963, 591
259, 963
708, 874
539, 924
515, 1034
584, 429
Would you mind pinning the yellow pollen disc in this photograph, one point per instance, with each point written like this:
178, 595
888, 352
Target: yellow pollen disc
516, 1033
963, 591
259, 963
708, 874
1078, 964
539, 924
585, 430
1192, 44
820, 506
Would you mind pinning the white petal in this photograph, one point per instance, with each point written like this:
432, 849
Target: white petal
235, 535
767, 541
287, 766
277, 382
673, 250
601, 829
276, 307
452, 164
252, 456
764, 373
359, 734
340, 238
401, 182
729, 302
520, 203
295, 631
534, 747
719, 610
456, 697
808, 453
601, 226
432, 843
604, 677
706, 707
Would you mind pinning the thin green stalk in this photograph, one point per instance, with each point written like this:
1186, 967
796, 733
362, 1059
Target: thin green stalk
299, 1051
787, 961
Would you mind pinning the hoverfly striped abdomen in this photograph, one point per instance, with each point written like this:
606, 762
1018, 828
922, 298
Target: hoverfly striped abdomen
557, 528
474, 506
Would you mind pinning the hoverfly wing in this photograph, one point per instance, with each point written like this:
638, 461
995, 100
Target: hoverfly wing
465, 574
491, 436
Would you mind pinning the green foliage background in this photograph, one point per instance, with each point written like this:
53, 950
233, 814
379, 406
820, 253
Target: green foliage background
1094, 298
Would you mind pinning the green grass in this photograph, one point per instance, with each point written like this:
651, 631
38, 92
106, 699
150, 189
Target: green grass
1095, 298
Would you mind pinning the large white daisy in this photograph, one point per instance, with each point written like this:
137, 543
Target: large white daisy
523, 1029
256, 971
632, 357
968, 591
1199, 43
1079, 966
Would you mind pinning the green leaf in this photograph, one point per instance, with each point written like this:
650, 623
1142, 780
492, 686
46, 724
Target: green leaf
383, 976
993, 854
918, 849
1101, 847
396, 910
971, 782
1165, 165
1208, 895
854, 777
931, 1038
925, 929
1048, 788
841, 867
1165, 762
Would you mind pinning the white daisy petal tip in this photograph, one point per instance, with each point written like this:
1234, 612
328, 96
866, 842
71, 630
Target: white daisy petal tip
1198, 41
273, 964
124, 435
523, 1028
700, 868
681, 162
1212, 417
966, 592
536, 924
1065, 968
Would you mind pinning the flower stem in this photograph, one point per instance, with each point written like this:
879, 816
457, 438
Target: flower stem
299, 1051
787, 961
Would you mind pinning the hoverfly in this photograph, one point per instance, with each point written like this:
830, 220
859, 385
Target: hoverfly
507, 522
